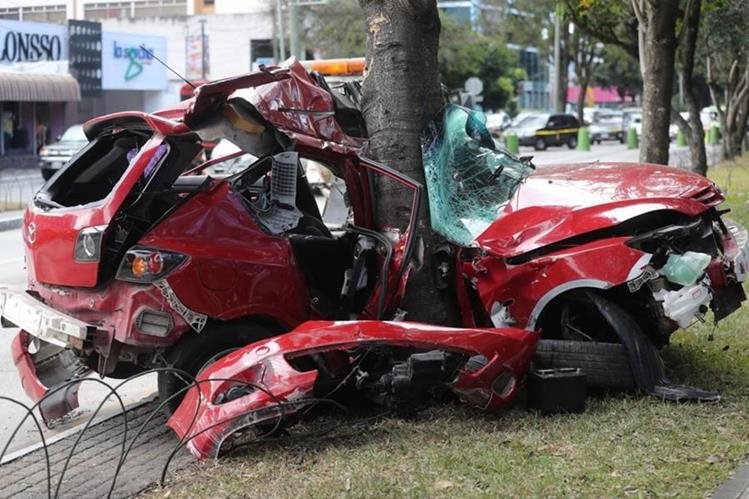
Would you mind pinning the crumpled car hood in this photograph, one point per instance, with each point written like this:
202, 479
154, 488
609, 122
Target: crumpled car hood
563, 201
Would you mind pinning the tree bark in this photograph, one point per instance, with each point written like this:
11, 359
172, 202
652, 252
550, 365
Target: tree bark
657, 43
400, 94
692, 130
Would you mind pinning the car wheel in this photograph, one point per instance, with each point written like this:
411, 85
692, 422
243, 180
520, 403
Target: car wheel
604, 364
621, 138
576, 334
540, 144
572, 142
193, 353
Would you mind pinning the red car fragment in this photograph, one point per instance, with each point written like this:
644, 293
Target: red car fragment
208, 415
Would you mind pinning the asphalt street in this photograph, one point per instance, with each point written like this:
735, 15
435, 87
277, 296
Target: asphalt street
13, 273
608, 151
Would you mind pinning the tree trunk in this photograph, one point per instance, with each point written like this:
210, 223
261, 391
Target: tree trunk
400, 94
657, 36
692, 130
733, 117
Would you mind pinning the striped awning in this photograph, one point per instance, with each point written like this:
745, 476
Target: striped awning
33, 87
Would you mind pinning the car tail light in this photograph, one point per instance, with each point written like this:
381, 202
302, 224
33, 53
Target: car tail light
88, 244
145, 265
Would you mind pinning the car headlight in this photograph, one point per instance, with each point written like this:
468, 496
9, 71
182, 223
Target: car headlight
44, 151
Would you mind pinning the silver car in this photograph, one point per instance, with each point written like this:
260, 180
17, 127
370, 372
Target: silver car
54, 156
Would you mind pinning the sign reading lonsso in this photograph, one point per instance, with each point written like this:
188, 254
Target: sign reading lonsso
31, 42
128, 63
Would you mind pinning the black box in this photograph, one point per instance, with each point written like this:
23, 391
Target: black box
552, 391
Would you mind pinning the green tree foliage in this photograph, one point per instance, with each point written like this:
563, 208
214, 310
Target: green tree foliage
619, 70
464, 53
336, 29
612, 22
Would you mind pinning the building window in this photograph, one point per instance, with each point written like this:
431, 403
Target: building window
45, 13
160, 8
10, 13
107, 10
140, 8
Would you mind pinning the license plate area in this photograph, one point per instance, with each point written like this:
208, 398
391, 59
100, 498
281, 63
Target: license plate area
40, 320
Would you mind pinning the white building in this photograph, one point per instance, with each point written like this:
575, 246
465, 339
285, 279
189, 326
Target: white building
237, 35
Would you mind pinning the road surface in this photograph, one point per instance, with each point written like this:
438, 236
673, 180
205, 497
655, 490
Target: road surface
13, 273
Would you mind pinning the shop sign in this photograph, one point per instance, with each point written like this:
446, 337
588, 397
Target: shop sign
128, 62
32, 42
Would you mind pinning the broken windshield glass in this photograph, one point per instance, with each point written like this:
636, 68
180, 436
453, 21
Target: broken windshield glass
468, 179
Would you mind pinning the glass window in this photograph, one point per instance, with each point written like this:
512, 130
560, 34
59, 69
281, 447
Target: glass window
469, 181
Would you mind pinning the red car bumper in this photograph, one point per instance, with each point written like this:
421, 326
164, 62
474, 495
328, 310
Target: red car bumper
272, 388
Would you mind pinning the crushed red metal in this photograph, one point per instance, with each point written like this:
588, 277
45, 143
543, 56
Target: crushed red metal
136, 260
394, 363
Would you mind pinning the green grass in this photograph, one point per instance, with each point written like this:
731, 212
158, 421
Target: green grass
623, 445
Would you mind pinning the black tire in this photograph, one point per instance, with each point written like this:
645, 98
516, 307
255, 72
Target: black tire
572, 142
190, 354
605, 364
540, 144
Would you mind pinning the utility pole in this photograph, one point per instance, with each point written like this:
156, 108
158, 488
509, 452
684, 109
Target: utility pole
296, 50
281, 34
202, 49
557, 59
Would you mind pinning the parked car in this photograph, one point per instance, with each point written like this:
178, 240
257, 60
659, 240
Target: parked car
231, 165
632, 117
543, 130
607, 125
54, 156
496, 123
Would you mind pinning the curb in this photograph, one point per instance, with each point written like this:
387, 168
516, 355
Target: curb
737, 487
11, 223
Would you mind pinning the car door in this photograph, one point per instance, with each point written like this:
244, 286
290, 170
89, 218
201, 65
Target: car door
553, 126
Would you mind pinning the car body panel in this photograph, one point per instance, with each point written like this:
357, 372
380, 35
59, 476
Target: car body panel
50, 236
203, 421
234, 269
563, 201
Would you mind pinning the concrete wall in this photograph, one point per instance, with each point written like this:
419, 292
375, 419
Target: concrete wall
229, 37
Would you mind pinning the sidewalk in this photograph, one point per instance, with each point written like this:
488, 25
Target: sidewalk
737, 487
10, 220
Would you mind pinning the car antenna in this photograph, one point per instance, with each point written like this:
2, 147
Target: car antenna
167, 67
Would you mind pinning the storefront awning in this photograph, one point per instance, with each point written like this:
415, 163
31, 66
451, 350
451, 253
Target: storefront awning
32, 87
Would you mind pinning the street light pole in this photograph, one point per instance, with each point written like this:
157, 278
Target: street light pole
557, 60
281, 34
296, 50
202, 49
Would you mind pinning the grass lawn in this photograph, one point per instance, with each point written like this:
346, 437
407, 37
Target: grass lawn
623, 445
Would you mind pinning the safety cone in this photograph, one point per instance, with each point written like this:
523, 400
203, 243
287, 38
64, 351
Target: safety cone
583, 139
631, 138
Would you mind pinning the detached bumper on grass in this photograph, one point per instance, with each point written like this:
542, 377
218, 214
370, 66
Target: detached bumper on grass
402, 366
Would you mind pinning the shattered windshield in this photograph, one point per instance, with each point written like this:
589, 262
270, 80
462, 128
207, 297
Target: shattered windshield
468, 180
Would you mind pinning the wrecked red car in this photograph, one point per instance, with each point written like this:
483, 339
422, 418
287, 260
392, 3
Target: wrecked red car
266, 386
589, 254
136, 261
